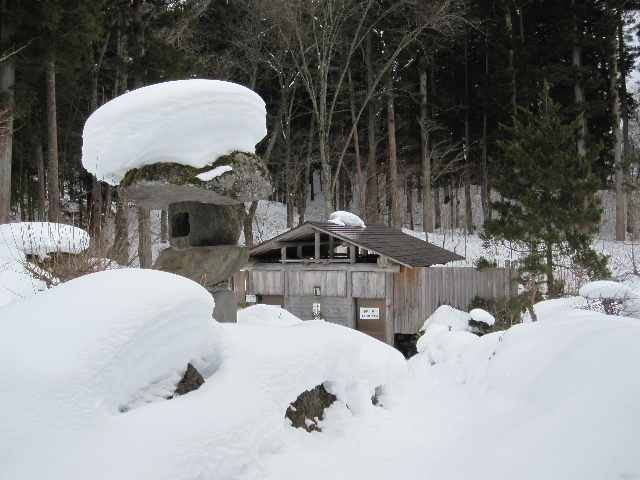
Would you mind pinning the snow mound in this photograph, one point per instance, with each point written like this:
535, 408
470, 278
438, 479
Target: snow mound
536, 392
191, 122
450, 317
346, 219
42, 238
440, 345
85, 365
262, 314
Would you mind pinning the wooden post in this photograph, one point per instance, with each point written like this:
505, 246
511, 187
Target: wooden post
317, 246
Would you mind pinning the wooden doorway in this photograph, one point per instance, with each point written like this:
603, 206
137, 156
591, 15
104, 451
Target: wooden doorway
277, 300
371, 317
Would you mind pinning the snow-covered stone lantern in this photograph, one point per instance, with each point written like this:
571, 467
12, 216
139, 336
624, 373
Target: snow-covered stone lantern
187, 147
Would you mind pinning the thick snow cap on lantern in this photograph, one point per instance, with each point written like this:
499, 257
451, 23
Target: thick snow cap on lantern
174, 134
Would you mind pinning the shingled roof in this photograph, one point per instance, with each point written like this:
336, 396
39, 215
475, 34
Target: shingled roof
377, 238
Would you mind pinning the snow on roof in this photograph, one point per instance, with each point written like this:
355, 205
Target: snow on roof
191, 122
346, 219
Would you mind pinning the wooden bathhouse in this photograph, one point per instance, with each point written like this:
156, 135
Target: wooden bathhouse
372, 279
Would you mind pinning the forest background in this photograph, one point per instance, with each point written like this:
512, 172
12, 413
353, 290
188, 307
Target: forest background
385, 99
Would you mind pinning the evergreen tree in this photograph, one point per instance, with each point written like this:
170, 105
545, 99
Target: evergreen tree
549, 206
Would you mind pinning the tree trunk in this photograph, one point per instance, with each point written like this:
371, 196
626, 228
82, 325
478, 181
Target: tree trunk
626, 153
437, 209
510, 55
617, 141
144, 214
427, 202
7, 78
395, 213
96, 213
42, 183
307, 177
52, 136
373, 209
120, 248
468, 214
356, 147
289, 174
485, 192
144, 237
468, 202
409, 193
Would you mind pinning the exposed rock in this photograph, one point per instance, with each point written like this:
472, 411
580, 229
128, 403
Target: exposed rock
226, 307
207, 265
191, 380
196, 224
309, 407
158, 185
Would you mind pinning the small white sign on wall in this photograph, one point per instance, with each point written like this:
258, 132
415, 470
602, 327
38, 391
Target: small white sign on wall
368, 313
250, 299
315, 309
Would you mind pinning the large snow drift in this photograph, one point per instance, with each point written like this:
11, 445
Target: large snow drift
77, 362
191, 122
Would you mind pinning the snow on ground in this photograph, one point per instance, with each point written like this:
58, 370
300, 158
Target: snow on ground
16, 282
82, 378
85, 366
192, 122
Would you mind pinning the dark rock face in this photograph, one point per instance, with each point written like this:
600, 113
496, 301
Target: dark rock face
309, 408
207, 265
161, 184
226, 307
191, 380
196, 224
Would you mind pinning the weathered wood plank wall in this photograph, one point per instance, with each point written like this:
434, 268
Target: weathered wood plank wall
419, 292
369, 284
412, 294
267, 282
331, 283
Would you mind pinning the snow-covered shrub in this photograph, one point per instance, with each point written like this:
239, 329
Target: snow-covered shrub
506, 311
611, 298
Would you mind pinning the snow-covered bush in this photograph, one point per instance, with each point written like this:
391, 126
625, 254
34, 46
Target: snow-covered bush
612, 298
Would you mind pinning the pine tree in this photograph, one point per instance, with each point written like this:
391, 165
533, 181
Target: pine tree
549, 206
